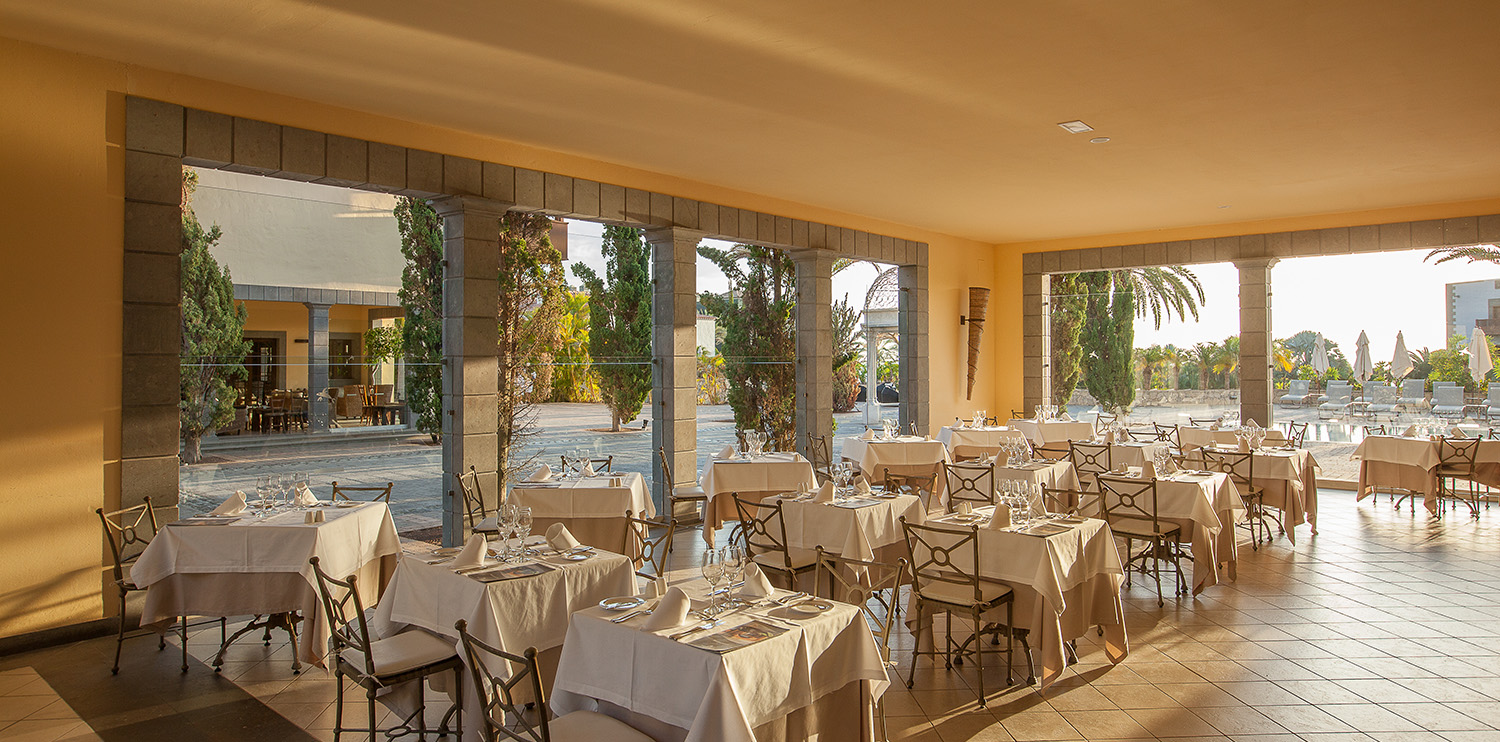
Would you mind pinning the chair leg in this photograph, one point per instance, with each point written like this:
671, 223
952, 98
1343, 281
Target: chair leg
916, 651
370, 706
1156, 570
338, 704
979, 655
120, 638
1010, 640
182, 632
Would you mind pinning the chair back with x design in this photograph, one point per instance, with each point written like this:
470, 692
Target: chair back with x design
1296, 433
1103, 421
473, 497
820, 454
129, 531
763, 530
942, 555
1239, 465
601, 465
921, 485
1070, 502
1456, 456
974, 483
377, 494
652, 550
1168, 434
1129, 499
1090, 459
504, 700
877, 593
346, 615
1370, 430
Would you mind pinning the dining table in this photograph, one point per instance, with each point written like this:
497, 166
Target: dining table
1053, 432
1288, 480
1065, 574
752, 478
591, 507
907, 454
257, 565
863, 527
1206, 505
970, 442
1410, 463
763, 672
510, 606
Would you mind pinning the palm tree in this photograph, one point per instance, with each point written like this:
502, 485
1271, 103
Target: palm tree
1202, 355
1163, 290
1283, 355
1227, 360
1172, 358
1472, 253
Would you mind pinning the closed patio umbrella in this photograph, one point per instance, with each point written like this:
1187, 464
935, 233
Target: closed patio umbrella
1320, 356
1401, 360
1479, 356
1362, 366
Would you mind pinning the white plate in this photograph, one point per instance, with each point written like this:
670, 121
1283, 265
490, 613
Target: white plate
810, 607
348, 504
577, 557
966, 518
887, 495
622, 603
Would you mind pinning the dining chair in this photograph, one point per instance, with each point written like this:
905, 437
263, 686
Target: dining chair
1240, 466
1296, 434
1089, 461
650, 550
1370, 430
1130, 509
1103, 420
1456, 458
691, 494
1169, 434
947, 578
374, 494
821, 455
973, 483
129, 531
763, 536
476, 513
1071, 502
1203, 422
378, 664
601, 465
1142, 435
505, 700
875, 587
921, 485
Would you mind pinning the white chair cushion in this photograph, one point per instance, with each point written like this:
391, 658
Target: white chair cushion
590, 726
407, 650
963, 594
800, 558
688, 490
488, 525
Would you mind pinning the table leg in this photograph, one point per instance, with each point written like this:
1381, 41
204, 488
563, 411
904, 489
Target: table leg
285, 621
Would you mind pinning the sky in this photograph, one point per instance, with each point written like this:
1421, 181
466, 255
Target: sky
1339, 296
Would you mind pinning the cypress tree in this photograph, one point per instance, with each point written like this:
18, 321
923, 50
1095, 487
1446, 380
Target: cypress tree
1108, 346
213, 344
422, 300
620, 322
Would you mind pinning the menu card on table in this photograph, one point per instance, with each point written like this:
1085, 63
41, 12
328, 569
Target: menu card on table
529, 569
744, 635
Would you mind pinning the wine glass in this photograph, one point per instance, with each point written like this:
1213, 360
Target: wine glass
713, 569
263, 489
733, 560
523, 529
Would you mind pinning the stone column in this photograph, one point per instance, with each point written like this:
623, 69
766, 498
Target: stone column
1255, 340
814, 345
317, 365
914, 354
471, 365
1036, 325
674, 344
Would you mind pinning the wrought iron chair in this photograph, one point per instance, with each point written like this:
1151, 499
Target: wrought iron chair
603, 464
921, 485
974, 483
379, 664
1240, 466
820, 454
691, 494
763, 535
1204, 421
1089, 461
878, 595
129, 531
1169, 434
1130, 508
380, 494
1103, 420
476, 514
505, 699
1071, 502
1456, 457
941, 580
1296, 434
1370, 430
651, 550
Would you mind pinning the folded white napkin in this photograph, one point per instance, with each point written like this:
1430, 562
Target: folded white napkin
868, 435
1148, 470
1244, 446
1410, 431
305, 497
825, 493
726, 452
861, 487
232, 506
1109, 437
560, 538
542, 474
1457, 432
756, 584
473, 555
670, 612
1065, 417
588, 469
1001, 518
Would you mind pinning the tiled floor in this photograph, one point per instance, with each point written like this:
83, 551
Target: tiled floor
1384, 627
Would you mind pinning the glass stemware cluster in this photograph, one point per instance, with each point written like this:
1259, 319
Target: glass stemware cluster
1023, 497
278, 491
725, 564
514, 525
1252, 434
754, 442
1017, 451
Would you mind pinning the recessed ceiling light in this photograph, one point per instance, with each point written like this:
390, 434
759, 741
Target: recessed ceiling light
1225, 206
1099, 140
1075, 127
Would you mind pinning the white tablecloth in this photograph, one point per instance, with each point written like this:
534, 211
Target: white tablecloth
261, 566
715, 697
770, 474
1054, 431
593, 511
1289, 482
906, 455
1063, 585
1206, 506
510, 614
855, 532
971, 442
1411, 463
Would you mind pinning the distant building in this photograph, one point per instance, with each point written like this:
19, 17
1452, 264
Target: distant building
1473, 304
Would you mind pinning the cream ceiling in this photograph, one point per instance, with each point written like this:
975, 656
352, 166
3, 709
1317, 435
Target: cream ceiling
940, 115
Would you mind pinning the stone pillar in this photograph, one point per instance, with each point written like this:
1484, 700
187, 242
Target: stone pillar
471, 364
317, 365
814, 345
1036, 339
916, 397
1256, 353
674, 344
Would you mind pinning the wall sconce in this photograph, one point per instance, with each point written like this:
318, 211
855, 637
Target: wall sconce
979, 302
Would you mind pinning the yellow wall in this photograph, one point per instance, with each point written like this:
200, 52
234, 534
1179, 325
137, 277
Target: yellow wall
291, 318
61, 181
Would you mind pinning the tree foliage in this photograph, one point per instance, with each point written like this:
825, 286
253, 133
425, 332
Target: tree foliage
573, 377
421, 233
620, 322
759, 344
1067, 325
1108, 344
213, 345
847, 348
532, 298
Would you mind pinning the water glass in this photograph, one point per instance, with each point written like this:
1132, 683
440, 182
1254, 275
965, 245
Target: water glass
733, 560
505, 522
713, 569
523, 529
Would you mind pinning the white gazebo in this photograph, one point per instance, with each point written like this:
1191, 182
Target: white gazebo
881, 320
